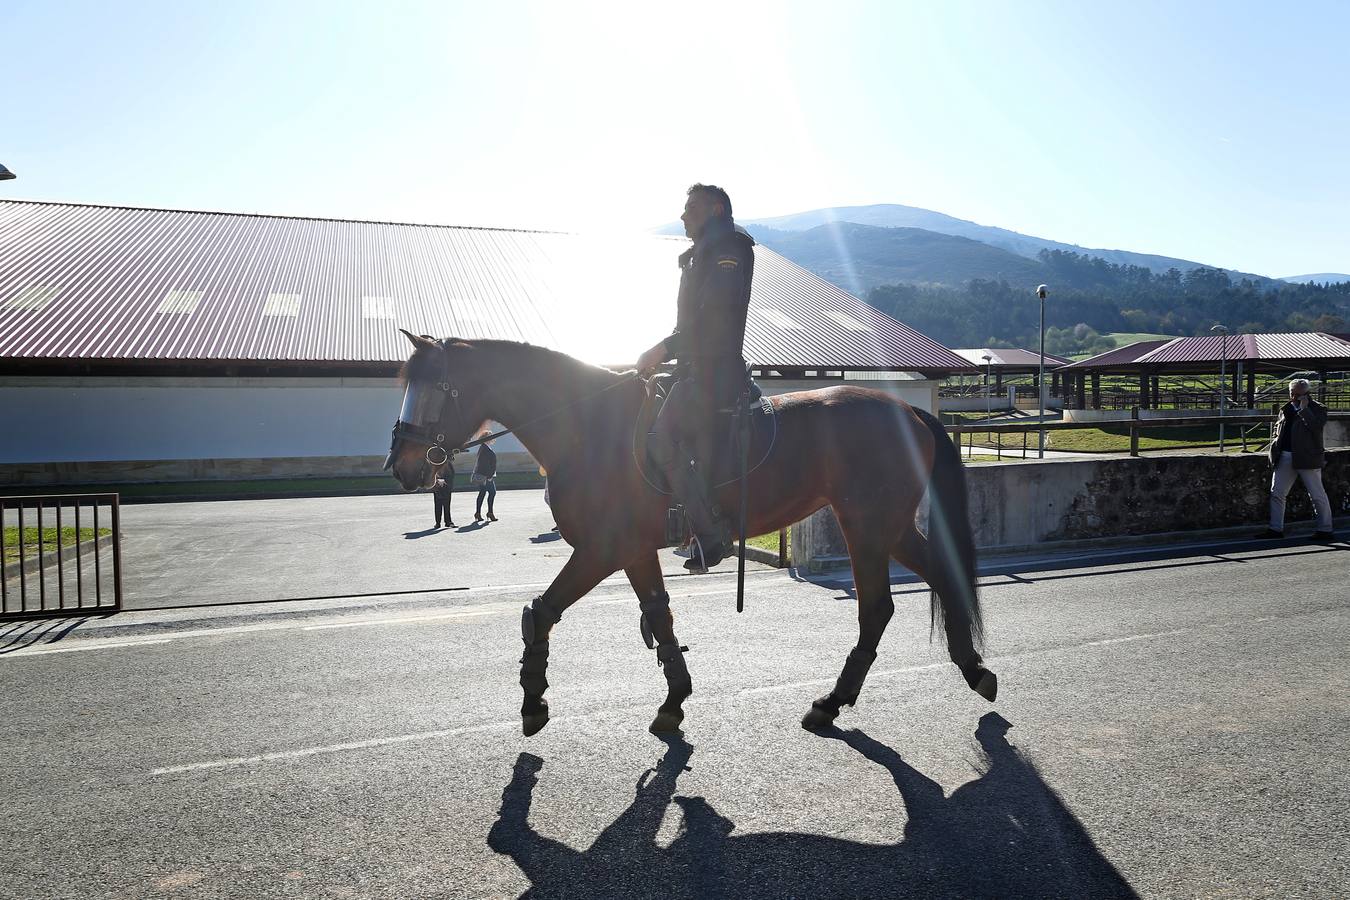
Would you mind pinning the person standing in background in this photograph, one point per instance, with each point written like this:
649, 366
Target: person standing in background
485, 476
441, 492
1296, 450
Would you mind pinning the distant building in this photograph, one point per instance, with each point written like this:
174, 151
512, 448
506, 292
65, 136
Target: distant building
147, 344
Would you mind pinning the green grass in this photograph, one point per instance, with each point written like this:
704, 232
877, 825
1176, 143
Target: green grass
769, 542
1125, 338
1114, 438
49, 540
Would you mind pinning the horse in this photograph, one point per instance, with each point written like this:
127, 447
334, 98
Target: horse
867, 455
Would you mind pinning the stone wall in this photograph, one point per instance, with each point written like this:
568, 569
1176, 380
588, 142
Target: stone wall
1023, 505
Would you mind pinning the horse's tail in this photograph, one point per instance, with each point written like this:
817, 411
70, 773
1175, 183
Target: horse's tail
955, 596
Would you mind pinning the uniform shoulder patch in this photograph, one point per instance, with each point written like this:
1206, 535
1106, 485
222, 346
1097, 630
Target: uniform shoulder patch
728, 262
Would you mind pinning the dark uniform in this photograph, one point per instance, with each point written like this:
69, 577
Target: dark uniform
709, 331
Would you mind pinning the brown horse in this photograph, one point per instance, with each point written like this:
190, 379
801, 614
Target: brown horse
867, 455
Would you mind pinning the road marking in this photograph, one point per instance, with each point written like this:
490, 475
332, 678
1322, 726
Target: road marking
331, 748
92, 645
281, 755
401, 620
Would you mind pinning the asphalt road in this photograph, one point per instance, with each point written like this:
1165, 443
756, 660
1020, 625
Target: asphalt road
1171, 727
188, 554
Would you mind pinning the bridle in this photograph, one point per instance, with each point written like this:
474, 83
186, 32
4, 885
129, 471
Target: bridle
431, 432
413, 425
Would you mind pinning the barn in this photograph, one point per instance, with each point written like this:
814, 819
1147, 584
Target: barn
177, 345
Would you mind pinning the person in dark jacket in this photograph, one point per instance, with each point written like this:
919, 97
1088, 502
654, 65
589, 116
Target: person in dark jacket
441, 492
1296, 448
485, 476
715, 278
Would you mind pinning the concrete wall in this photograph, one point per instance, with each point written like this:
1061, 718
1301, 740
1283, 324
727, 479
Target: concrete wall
169, 429
1015, 505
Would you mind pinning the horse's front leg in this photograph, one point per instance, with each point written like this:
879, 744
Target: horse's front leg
659, 624
581, 573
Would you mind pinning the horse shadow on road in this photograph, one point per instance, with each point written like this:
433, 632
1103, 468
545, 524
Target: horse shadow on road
1006, 834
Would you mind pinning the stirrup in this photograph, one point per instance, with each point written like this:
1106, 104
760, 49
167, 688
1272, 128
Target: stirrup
697, 564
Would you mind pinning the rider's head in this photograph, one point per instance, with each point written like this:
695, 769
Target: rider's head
705, 202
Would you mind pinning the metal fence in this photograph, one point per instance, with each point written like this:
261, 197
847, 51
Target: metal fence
1244, 430
60, 555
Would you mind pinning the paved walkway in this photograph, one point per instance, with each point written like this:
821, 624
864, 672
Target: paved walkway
185, 554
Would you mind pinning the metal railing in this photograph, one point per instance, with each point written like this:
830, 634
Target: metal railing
1135, 425
60, 555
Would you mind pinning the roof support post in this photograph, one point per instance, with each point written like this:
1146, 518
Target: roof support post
1143, 390
1251, 388
1096, 390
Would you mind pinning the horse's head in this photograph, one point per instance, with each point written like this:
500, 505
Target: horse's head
441, 410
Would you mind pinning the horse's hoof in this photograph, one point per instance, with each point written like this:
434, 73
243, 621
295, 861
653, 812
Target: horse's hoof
533, 723
666, 723
987, 686
818, 718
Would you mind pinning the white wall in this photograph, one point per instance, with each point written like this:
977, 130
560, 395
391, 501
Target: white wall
142, 418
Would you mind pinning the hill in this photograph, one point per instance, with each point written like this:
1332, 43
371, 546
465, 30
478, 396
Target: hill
895, 215
861, 257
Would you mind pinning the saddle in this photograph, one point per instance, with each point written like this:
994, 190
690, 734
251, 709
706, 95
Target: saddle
725, 466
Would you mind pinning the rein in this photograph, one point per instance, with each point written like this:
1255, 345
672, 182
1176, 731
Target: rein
464, 448
433, 435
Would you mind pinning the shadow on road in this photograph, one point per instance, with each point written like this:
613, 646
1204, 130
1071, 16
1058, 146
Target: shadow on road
414, 535
1006, 834
19, 635
546, 537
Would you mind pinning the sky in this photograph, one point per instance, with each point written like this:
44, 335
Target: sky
1216, 132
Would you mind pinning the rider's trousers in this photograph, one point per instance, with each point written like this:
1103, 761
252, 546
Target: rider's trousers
684, 439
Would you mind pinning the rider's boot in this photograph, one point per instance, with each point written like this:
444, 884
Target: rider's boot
711, 541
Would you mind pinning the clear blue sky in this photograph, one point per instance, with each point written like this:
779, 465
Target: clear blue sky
1217, 132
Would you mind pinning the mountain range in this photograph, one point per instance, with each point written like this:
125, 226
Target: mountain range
862, 247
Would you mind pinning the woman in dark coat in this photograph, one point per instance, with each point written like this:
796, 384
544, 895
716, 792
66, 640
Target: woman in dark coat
485, 476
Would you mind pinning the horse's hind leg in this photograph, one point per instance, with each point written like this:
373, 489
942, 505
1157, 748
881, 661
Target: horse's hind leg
581, 573
913, 551
659, 629
872, 583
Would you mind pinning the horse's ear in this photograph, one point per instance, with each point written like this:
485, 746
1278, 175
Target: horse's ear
418, 341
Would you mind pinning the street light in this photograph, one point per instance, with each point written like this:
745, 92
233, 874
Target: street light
1223, 378
1040, 378
6, 174
988, 366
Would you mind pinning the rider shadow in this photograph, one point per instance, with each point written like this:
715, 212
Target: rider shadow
1005, 834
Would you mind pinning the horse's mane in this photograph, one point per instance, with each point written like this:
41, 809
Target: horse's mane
516, 355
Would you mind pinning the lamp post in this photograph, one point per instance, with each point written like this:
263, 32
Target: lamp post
1222, 330
988, 367
6, 174
1040, 378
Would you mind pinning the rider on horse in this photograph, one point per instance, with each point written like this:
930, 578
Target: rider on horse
715, 277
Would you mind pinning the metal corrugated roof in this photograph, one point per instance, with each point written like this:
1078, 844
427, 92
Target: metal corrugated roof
1304, 346
1009, 357
125, 284
1119, 357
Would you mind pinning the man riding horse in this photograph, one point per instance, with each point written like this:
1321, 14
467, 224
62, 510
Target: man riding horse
715, 276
